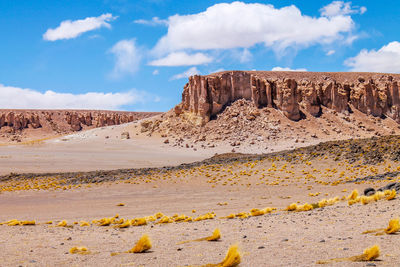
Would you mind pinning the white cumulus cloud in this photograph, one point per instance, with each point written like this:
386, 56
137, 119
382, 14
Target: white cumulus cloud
182, 59
241, 25
71, 29
287, 69
190, 72
127, 58
23, 98
340, 8
386, 59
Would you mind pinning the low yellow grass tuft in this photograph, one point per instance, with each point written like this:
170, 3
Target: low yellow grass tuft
242, 215
63, 223
394, 226
256, 212
216, 235
367, 199
143, 245
27, 222
378, 195
291, 207
13, 222
79, 250
369, 254
305, 207
391, 194
106, 221
207, 216
232, 257
165, 219
159, 215
83, 223
139, 222
125, 224
353, 195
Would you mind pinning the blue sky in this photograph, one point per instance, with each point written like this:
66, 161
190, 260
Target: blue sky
136, 55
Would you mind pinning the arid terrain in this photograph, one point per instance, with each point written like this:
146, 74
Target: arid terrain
30, 126
270, 159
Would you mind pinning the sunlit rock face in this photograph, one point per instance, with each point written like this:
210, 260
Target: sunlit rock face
292, 93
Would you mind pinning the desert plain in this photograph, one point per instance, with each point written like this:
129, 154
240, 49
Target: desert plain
281, 173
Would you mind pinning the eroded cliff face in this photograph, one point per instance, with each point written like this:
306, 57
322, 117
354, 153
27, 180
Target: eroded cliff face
292, 93
62, 121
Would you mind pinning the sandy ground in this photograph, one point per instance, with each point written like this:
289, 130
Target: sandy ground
103, 149
95, 149
279, 239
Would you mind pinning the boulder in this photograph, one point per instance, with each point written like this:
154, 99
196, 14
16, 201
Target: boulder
125, 135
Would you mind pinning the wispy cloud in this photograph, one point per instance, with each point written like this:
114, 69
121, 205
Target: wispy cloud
71, 29
182, 59
330, 52
127, 58
340, 8
190, 72
155, 21
287, 69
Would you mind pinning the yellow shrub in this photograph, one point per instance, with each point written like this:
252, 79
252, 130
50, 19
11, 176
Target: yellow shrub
143, 245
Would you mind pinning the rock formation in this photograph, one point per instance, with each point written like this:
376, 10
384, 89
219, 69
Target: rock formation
292, 93
64, 121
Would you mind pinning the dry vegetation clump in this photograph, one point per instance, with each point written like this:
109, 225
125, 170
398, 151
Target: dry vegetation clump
83, 223
295, 207
393, 227
207, 216
370, 254
142, 245
387, 194
258, 212
391, 194
232, 258
79, 250
216, 235
62, 223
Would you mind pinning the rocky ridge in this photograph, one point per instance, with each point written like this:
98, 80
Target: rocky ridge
265, 109
14, 124
292, 93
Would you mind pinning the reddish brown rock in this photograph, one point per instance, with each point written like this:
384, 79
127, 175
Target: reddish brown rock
291, 92
61, 121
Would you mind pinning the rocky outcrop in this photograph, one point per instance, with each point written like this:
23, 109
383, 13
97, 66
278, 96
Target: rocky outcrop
63, 121
19, 121
292, 93
98, 119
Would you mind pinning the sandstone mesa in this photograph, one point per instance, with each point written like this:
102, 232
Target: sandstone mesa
292, 93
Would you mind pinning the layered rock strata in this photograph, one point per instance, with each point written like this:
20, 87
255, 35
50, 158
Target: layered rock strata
292, 93
65, 121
